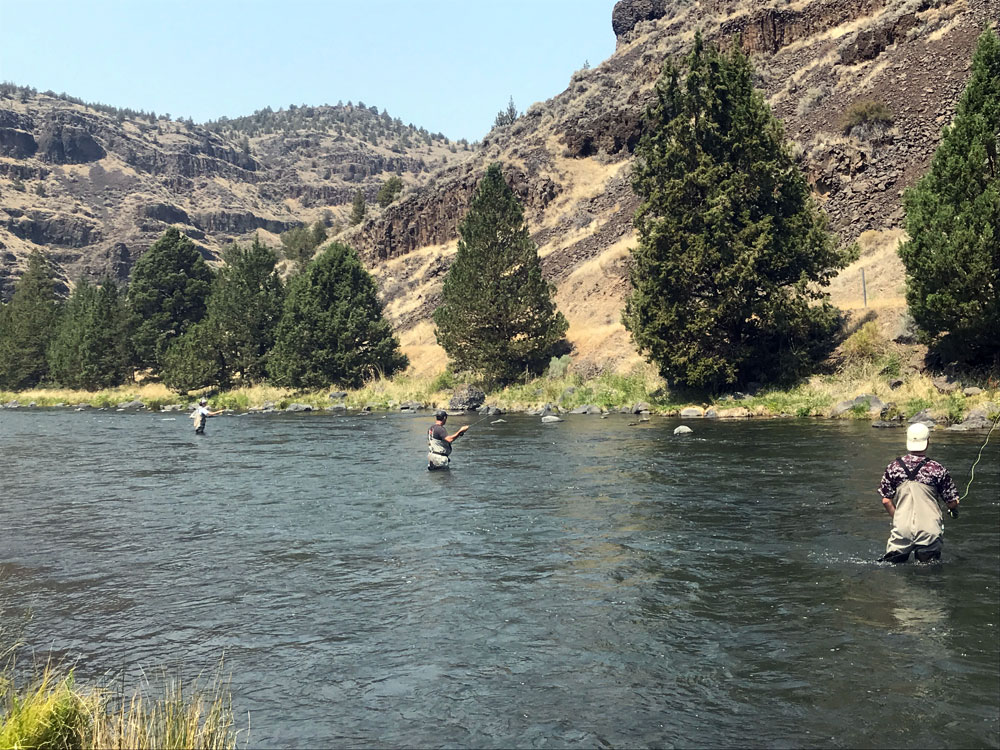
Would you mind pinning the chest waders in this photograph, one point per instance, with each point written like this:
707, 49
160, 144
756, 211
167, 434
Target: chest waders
437, 452
199, 422
918, 521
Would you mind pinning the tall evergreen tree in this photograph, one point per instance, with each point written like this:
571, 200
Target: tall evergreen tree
167, 295
27, 324
194, 360
952, 258
358, 208
332, 329
497, 317
731, 247
244, 309
91, 346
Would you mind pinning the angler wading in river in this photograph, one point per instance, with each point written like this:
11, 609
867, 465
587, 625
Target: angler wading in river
439, 442
912, 489
201, 414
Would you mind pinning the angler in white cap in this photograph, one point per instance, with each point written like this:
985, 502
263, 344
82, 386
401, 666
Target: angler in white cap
912, 489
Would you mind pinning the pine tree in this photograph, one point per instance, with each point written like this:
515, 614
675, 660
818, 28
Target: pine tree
27, 324
731, 247
497, 318
167, 295
358, 208
244, 309
952, 258
91, 346
332, 330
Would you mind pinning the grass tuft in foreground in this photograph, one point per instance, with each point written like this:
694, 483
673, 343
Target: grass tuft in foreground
51, 711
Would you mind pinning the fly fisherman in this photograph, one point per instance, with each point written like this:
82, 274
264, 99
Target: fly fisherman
201, 414
911, 490
439, 442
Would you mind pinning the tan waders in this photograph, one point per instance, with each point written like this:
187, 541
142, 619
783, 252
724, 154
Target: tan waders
917, 524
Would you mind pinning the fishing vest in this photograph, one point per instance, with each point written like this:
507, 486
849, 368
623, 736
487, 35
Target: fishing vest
918, 516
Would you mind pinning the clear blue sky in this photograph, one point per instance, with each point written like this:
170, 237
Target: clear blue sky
446, 65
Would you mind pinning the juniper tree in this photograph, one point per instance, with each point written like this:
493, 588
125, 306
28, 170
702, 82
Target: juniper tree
497, 318
358, 207
332, 330
389, 191
194, 360
244, 309
952, 258
731, 249
91, 345
27, 324
167, 295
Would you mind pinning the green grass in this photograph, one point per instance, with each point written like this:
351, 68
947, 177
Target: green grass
51, 711
868, 370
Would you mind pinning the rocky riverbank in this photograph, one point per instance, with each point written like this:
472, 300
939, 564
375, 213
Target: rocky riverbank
886, 402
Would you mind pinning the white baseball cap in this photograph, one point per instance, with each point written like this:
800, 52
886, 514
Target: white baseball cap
916, 436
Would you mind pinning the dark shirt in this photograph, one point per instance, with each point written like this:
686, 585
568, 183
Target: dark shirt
931, 473
438, 432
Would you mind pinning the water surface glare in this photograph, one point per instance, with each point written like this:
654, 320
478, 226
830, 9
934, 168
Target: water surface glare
583, 584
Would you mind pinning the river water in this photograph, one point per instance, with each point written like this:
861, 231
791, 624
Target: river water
582, 584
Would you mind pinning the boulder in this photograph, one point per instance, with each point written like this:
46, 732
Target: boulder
298, 407
692, 412
872, 404
884, 423
895, 383
972, 391
711, 414
586, 409
466, 398
490, 411
550, 418
738, 412
945, 384
683, 430
337, 407
11, 405
411, 406
641, 408
925, 417
131, 405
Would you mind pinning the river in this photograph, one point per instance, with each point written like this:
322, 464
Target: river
589, 583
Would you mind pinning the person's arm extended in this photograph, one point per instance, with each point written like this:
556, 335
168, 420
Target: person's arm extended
461, 431
216, 413
889, 507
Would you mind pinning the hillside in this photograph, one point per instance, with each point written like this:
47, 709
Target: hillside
94, 186
111, 186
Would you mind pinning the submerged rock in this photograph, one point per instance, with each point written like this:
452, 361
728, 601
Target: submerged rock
550, 418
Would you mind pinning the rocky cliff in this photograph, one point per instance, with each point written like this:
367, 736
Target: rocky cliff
94, 191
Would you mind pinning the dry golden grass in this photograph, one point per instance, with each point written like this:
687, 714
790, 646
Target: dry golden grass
884, 274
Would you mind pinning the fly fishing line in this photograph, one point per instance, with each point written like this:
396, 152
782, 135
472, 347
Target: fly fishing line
972, 473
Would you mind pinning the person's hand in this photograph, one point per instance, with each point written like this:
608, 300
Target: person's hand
463, 428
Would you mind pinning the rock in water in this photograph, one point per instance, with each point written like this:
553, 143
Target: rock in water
683, 430
549, 418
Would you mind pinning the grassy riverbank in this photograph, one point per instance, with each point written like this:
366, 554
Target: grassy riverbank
48, 709
816, 397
